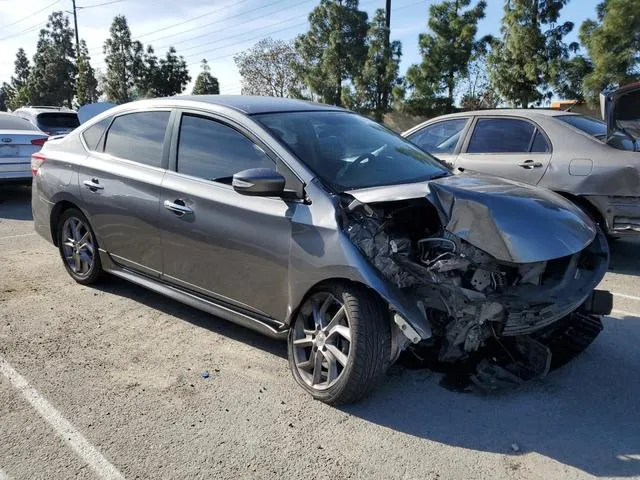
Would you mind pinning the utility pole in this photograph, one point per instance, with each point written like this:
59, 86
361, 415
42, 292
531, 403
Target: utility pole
387, 12
75, 27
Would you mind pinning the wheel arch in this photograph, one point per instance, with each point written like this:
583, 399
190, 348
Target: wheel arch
587, 207
56, 212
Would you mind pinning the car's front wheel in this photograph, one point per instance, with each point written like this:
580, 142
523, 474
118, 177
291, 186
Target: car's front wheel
340, 343
78, 247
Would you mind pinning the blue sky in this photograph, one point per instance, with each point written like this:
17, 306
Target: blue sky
224, 27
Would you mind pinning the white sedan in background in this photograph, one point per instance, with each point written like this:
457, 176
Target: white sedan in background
18, 140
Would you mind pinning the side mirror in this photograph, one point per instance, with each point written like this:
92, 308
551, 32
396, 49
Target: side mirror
263, 182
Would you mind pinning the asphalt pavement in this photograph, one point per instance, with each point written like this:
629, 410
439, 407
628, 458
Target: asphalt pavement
107, 382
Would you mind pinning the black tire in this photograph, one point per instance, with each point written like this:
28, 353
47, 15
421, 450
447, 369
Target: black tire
93, 272
369, 348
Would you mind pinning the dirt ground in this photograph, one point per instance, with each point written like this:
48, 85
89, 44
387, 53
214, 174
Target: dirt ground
107, 382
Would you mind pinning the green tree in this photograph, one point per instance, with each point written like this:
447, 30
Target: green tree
147, 76
446, 51
15, 93
613, 44
174, 75
380, 70
268, 68
52, 80
531, 51
334, 49
87, 86
206, 84
475, 89
124, 60
569, 80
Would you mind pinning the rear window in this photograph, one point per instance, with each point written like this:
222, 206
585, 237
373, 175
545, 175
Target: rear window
589, 125
58, 120
13, 122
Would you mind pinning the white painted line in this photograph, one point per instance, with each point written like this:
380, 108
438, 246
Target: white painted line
629, 297
3, 476
17, 236
624, 312
63, 428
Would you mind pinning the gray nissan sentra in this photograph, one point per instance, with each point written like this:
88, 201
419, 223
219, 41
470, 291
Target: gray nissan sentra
312, 223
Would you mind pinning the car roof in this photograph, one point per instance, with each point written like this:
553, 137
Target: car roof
500, 112
251, 105
35, 109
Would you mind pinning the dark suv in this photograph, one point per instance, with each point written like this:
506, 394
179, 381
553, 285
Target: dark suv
312, 223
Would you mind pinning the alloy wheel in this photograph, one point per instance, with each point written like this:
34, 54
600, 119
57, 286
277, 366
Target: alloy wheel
321, 340
78, 247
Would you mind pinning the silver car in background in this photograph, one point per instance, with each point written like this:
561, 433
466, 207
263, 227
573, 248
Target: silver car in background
312, 223
19, 139
594, 164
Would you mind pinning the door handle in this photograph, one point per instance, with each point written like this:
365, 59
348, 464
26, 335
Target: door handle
529, 164
93, 185
178, 207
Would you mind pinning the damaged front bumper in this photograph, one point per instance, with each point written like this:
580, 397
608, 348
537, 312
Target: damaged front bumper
527, 279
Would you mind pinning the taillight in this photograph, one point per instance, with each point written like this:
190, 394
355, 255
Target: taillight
37, 159
38, 141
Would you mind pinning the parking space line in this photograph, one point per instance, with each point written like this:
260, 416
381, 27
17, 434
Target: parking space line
63, 428
624, 312
628, 297
17, 236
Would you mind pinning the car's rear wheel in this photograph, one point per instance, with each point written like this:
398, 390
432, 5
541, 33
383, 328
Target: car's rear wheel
78, 247
340, 343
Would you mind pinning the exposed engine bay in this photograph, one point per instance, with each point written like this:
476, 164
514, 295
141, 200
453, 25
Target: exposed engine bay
494, 315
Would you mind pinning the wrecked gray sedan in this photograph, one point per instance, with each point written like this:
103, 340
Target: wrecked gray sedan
594, 164
309, 222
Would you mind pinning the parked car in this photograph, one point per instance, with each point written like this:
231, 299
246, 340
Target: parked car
579, 157
18, 140
313, 223
52, 120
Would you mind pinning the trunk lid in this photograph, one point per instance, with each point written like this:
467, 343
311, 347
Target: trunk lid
16, 147
620, 108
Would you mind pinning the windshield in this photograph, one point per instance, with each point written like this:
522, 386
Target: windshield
349, 151
592, 126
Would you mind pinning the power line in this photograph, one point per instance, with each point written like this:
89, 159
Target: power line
178, 24
225, 19
99, 4
30, 15
25, 31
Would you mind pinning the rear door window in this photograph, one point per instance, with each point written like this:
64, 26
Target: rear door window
502, 135
211, 150
138, 137
441, 137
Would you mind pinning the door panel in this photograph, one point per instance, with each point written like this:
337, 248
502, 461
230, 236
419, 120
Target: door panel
506, 147
216, 241
232, 247
121, 196
122, 201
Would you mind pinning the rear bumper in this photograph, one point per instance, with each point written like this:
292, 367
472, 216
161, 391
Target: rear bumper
621, 214
41, 210
15, 172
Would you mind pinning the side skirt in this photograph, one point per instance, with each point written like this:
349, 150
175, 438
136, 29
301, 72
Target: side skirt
268, 327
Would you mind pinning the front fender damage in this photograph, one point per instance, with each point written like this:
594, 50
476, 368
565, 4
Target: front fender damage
489, 313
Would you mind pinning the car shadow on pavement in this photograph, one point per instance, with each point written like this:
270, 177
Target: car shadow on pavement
15, 202
625, 257
584, 415
123, 288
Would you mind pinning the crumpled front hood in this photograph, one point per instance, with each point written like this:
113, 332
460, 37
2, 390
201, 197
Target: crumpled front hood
511, 221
